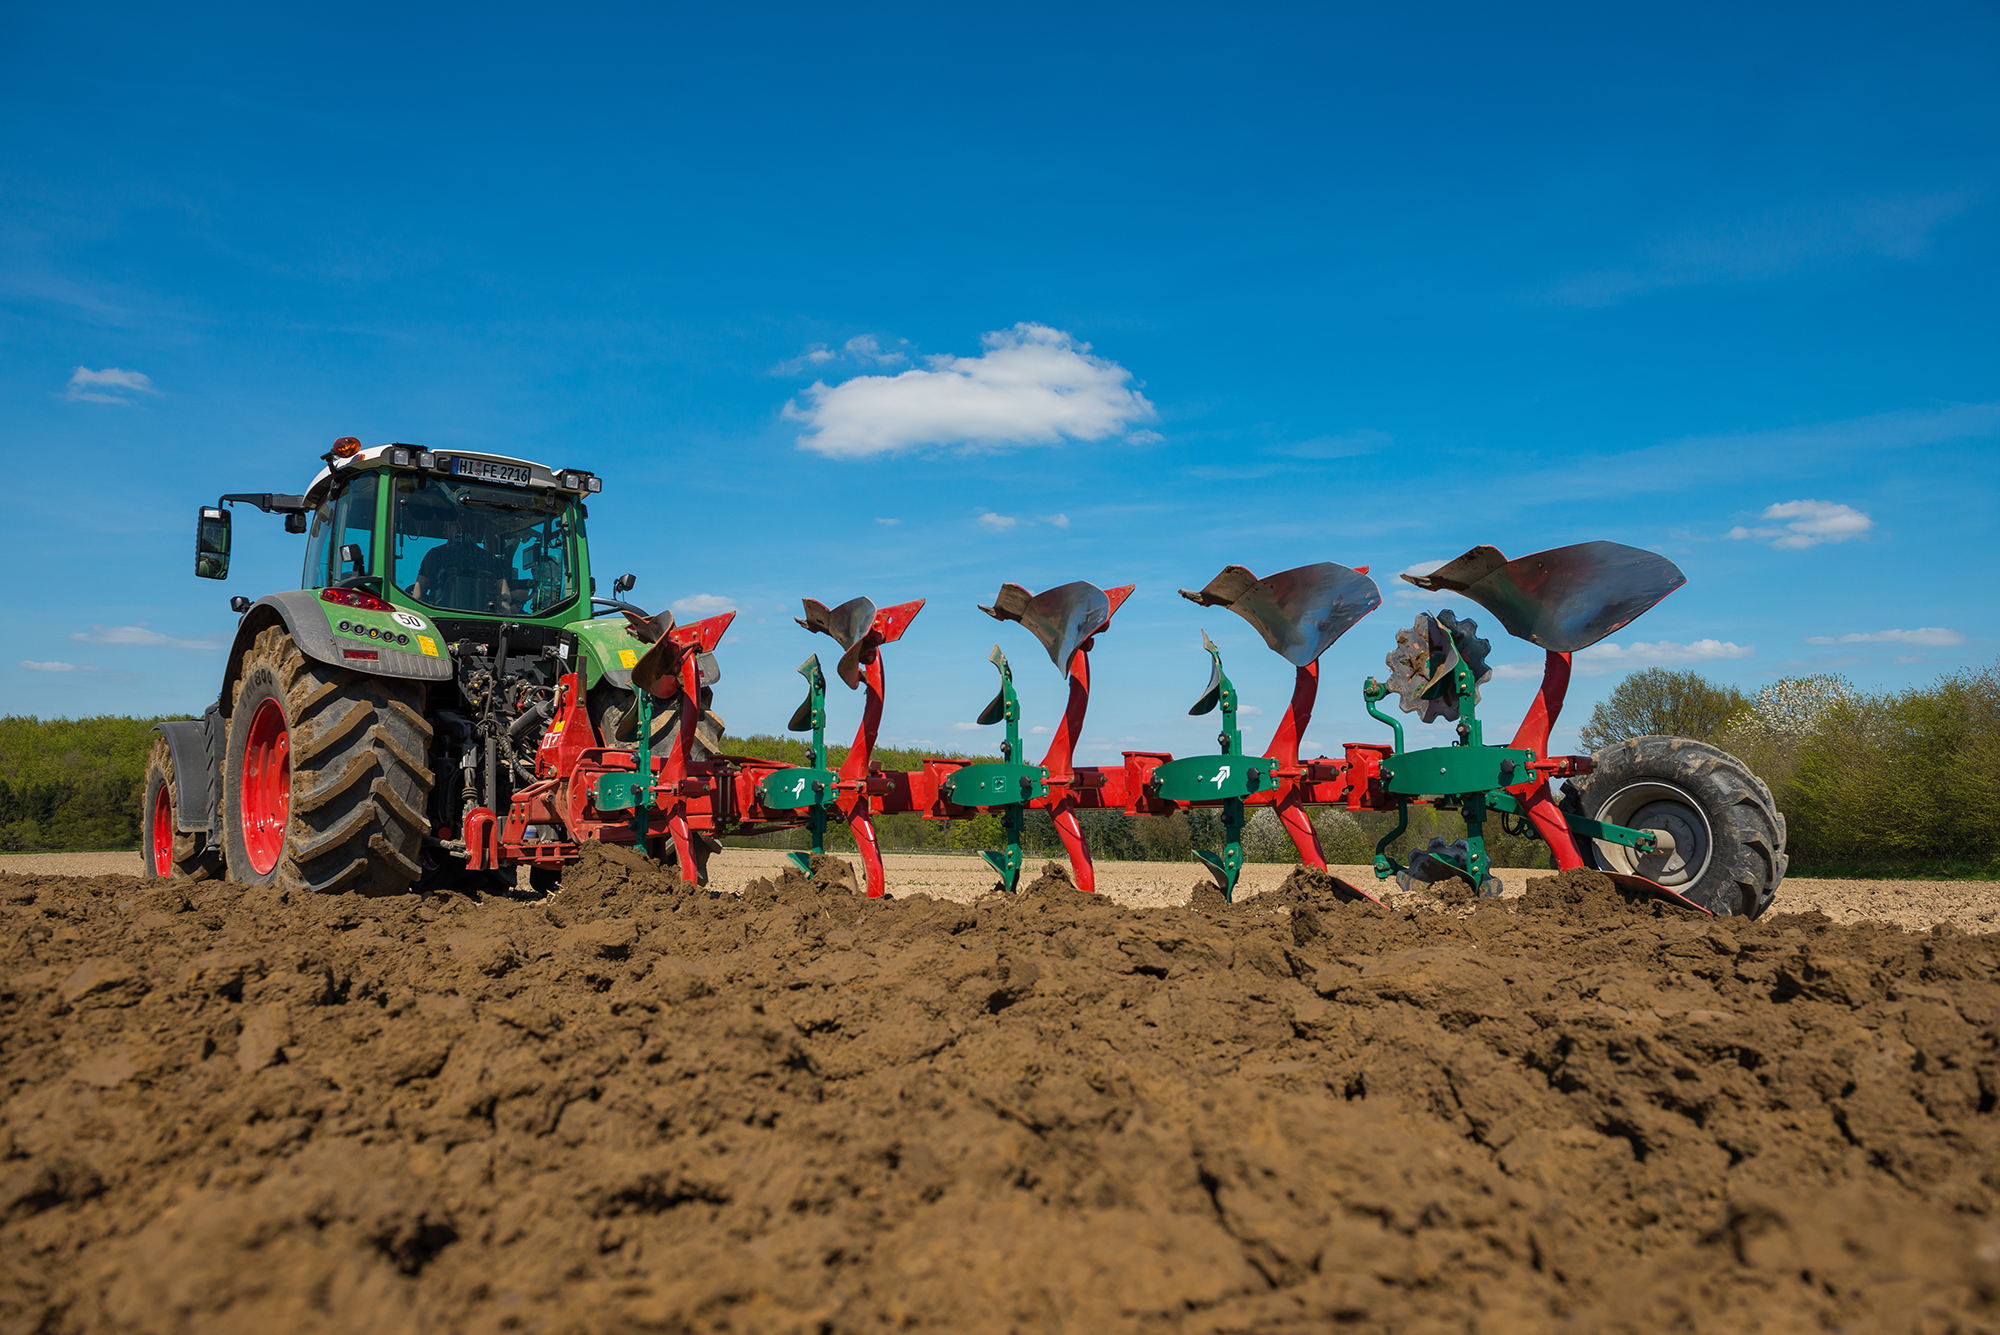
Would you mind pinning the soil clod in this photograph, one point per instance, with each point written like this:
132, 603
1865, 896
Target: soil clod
635, 1104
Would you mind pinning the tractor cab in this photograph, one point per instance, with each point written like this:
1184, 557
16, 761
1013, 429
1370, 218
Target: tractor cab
455, 534
461, 536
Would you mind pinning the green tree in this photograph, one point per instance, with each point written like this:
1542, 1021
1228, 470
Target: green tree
1654, 702
1911, 775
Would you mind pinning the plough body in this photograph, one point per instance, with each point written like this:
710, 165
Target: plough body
677, 804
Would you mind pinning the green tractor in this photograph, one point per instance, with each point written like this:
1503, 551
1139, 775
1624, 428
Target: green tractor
406, 683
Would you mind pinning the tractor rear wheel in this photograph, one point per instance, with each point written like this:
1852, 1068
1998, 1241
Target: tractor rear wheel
324, 783
165, 849
614, 712
1729, 836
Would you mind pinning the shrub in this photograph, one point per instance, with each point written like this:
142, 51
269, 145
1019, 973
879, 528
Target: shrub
1658, 703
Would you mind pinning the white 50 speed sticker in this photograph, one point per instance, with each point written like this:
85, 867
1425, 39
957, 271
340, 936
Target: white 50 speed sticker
409, 620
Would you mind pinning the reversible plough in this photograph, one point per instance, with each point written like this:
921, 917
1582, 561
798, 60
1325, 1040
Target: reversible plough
668, 793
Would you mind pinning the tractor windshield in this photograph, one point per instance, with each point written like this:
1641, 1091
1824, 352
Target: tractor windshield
473, 547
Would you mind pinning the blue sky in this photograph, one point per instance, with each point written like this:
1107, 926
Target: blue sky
1117, 294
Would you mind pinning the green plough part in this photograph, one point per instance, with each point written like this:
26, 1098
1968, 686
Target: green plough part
811, 787
1007, 786
1228, 777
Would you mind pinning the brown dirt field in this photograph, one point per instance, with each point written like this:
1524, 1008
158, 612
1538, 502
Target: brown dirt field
1918, 906
634, 1106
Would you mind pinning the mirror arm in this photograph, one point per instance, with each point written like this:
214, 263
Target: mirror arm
270, 502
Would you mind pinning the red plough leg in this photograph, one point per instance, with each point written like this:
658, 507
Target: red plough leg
1079, 851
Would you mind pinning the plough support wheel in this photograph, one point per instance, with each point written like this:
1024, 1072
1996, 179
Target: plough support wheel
1728, 837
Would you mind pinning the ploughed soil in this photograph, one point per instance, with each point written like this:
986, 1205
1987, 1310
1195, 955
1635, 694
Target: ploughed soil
637, 1106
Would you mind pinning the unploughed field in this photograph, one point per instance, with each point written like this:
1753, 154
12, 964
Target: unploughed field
636, 1106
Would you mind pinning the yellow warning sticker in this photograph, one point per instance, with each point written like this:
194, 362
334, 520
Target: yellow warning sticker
628, 658
428, 645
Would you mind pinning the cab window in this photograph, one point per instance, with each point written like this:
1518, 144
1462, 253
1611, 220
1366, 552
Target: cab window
475, 547
346, 518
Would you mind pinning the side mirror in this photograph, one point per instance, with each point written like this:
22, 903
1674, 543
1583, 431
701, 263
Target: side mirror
623, 583
295, 523
350, 555
211, 543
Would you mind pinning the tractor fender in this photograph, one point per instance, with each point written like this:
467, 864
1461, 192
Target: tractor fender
310, 622
195, 745
608, 650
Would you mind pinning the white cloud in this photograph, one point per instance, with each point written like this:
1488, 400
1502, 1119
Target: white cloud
1906, 429
47, 667
1037, 731
1144, 438
966, 727
1032, 386
1811, 523
699, 605
111, 385
142, 634
816, 355
1248, 709
1760, 247
998, 523
1933, 636
891, 522
862, 348
1401, 589
865, 349
1600, 659
1056, 521
1344, 446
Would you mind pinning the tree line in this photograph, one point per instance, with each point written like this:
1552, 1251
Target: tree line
1903, 781
72, 784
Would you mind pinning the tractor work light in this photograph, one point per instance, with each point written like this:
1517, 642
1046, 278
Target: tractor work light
426, 459
400, 457
360, 598
346, 447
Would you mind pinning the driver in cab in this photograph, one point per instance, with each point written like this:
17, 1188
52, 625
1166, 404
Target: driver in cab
459, 572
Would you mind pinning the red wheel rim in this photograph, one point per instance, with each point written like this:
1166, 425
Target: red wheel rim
266, 786
163, 832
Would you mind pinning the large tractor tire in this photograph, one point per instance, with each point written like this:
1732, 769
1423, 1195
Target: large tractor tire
164, 850
1729, 836
323, 783
614, 712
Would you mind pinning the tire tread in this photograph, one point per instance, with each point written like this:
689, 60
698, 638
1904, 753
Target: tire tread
359, 783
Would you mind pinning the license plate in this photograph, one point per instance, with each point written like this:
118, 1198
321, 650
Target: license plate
488, 471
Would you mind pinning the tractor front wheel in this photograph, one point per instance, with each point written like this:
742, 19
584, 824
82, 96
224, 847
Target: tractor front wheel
164, 849
324, 781
1728, 834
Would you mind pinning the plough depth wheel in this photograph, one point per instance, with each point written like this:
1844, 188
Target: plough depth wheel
1728, 834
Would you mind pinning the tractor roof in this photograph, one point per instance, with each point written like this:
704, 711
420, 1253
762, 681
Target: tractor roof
575, 480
